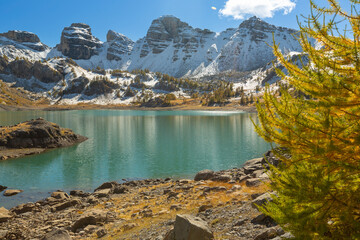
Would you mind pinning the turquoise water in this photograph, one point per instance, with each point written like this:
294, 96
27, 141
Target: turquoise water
128, 145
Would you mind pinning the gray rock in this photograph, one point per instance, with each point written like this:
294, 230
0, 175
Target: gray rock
188, 227
204, 175
268, 233
106, 185
57, 234
66, 204
252, 162
253, 182
261, 200
23, 208
60, 195
91, 217
101, 232
120, 190
11, 192
221, 178
79, 193
257, 173
244, 178
262, 219
4, 214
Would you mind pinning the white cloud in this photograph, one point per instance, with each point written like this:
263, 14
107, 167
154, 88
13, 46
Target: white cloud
260, 8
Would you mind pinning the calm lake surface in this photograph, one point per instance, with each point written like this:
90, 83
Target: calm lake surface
130, 145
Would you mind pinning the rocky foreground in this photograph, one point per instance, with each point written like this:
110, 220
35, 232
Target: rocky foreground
215, 205
33, 137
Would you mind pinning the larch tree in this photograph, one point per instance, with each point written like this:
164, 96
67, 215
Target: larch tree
316, 134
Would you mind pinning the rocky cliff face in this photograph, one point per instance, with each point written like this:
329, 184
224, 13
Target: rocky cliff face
169, 31
119, 45
23, 68
77, 42
247, 49
27, 39
170, 46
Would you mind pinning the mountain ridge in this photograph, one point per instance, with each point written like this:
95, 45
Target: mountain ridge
170, 46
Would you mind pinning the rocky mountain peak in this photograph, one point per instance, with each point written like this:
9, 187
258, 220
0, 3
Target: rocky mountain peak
119, 45
21, 36
112, 35
168, 27
255, 23
77, 42
27, 39
80, 25
167, 30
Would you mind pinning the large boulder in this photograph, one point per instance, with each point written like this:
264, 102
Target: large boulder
204, 175
91, 217
4, 215
261, 200
188, 227
77, 42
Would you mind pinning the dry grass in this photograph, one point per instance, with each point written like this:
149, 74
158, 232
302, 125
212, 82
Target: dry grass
17, 97
129, 207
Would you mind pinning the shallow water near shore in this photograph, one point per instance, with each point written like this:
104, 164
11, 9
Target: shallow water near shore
126, 144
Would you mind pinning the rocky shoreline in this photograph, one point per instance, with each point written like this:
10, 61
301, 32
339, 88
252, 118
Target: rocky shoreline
33, 137
216, 205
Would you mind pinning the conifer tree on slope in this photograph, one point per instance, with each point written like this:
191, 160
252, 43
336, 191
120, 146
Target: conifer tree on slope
318, 187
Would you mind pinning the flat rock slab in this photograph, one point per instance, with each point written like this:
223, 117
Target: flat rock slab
11, 192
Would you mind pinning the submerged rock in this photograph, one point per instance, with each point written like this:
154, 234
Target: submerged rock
2, 188
12, 192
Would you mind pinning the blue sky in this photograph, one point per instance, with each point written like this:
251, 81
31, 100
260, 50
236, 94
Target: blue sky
47, 18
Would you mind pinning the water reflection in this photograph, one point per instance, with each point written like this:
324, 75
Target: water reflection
133, 144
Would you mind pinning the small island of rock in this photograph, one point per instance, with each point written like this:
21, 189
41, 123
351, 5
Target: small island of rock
35, 136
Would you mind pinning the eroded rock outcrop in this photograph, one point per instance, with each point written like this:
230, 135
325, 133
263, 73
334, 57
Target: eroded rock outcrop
119, 45
22, 68
77, 42
27, 39
169, 30
36, 134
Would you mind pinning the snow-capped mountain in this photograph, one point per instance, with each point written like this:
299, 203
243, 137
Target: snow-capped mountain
170, 46
81, 68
